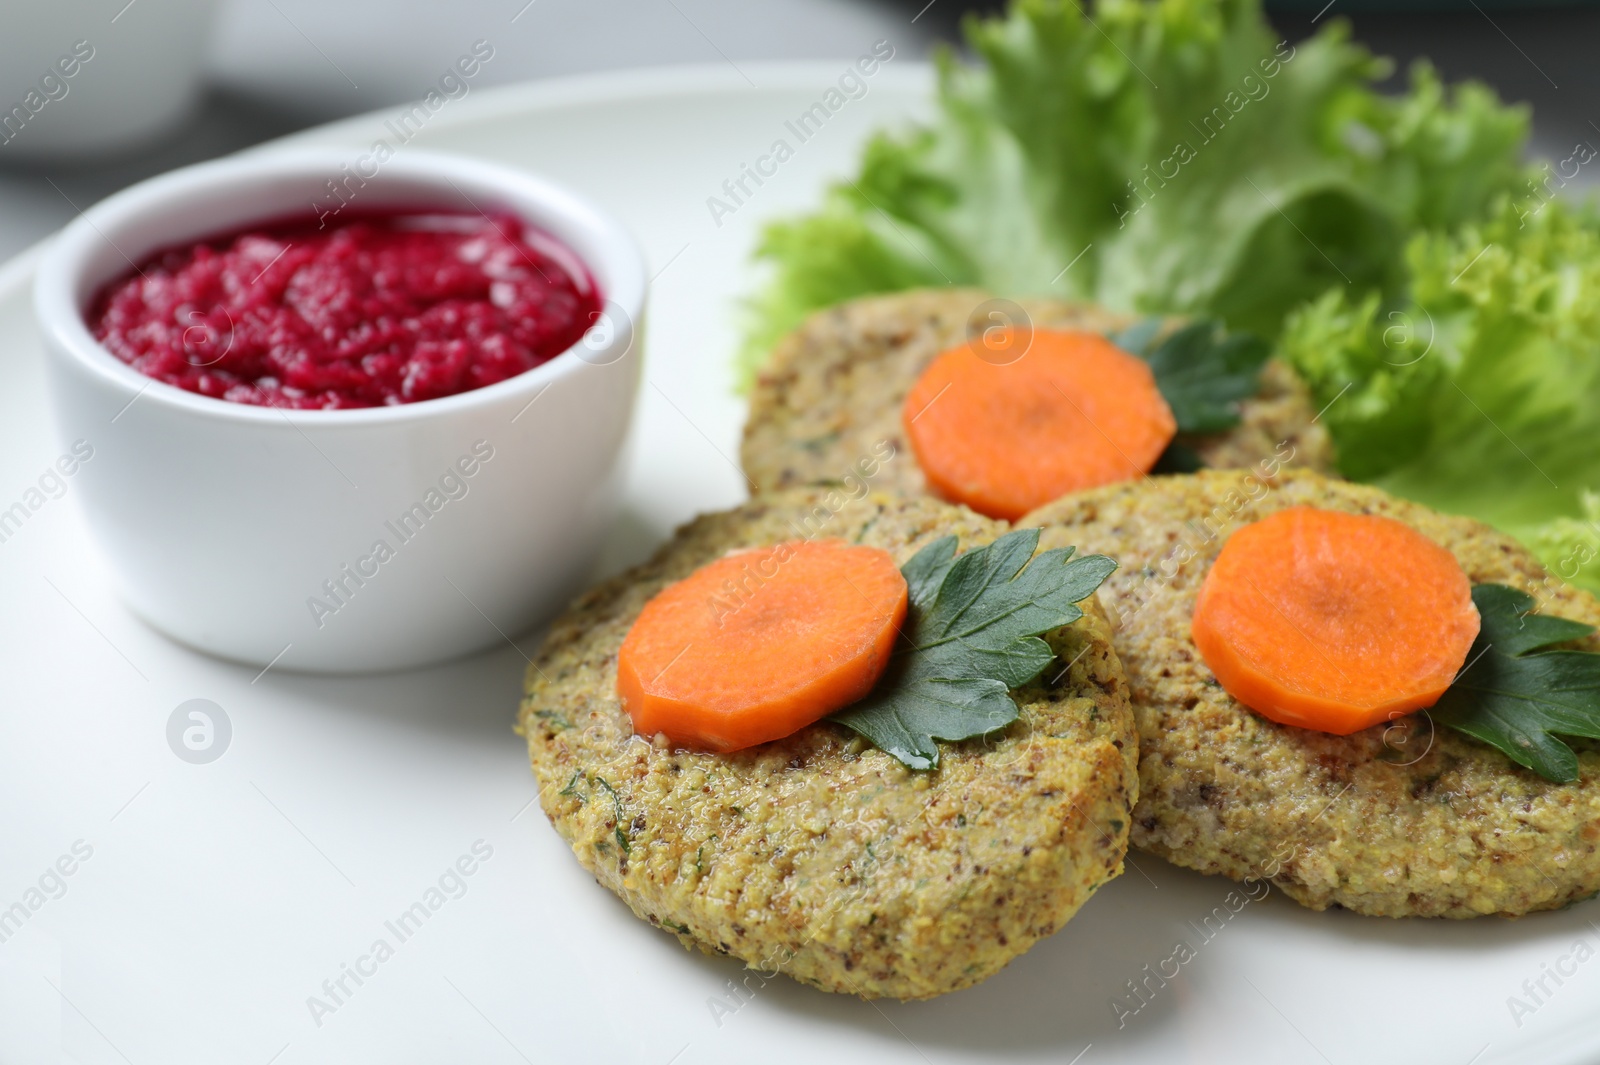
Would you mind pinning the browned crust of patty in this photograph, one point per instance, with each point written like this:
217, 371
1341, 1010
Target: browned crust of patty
832, 391
1393, 821
818, 855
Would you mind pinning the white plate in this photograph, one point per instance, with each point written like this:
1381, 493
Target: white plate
219, 897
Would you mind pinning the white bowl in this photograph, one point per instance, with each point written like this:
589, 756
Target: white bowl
225, 525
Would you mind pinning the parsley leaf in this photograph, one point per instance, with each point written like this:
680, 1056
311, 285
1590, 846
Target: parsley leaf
1178, 458
971, 635
1519, 702
1201, 371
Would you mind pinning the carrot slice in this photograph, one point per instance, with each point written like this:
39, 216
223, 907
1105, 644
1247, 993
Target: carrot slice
759, 644
1334, 621
1005, 435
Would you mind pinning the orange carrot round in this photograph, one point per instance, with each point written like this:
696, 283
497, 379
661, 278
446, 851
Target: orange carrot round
1006, 436
1334, 621
759, 644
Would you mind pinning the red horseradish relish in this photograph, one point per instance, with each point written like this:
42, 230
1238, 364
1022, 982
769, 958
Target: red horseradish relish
382, 309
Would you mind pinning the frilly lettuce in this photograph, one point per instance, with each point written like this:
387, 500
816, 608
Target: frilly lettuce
1156, 157
1478, 393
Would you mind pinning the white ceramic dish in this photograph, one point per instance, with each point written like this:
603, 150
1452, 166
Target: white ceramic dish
352, 540
219, 897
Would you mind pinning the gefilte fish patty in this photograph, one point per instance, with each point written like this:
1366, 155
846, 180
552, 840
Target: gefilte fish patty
831, 393
1401, 819
818, 855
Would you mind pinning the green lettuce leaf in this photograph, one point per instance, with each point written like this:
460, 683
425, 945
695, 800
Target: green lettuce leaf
1478, 393
1158, 157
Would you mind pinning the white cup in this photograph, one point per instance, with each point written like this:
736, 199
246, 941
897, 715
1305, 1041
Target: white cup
80, 77
225, 524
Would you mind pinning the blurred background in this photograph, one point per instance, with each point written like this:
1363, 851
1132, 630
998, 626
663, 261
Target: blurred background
214, 76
